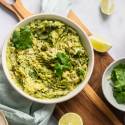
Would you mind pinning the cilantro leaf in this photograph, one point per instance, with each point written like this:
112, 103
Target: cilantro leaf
118, 79
22, 39
119, 96
62, 58
58, 70
63, 63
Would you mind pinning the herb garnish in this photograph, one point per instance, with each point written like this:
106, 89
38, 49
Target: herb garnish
63, 63
22, 39
118, 79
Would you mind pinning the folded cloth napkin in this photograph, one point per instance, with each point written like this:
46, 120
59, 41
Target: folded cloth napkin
17, 109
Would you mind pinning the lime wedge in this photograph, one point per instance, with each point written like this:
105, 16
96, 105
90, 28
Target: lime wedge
70, 119
99, 44
107, 6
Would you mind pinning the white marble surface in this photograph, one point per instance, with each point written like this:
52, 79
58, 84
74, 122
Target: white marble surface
112, 28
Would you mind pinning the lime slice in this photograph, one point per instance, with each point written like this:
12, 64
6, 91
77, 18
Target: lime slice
107, 6
99, 44
70, 119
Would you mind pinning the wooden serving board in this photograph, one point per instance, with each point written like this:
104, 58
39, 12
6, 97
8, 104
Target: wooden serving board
90, 104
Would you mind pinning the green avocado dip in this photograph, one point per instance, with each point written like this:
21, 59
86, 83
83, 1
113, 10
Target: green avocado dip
46, 59
118, 83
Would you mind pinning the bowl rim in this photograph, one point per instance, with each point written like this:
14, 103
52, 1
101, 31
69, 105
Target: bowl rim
112, 65
54, 100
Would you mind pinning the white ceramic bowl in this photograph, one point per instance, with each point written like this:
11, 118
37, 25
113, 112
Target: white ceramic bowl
86, 44
106, 85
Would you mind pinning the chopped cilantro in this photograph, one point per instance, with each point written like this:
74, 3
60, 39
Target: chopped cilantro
118, 79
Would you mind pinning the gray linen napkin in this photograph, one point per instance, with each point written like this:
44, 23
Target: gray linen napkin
17, 109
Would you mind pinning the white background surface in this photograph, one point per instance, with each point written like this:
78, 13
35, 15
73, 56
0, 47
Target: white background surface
112, 28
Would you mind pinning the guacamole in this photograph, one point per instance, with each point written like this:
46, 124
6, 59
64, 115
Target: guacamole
46, 59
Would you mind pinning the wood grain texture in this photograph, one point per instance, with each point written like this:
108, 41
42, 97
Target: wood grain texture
71, 15
17, 8
21, 10
10, 7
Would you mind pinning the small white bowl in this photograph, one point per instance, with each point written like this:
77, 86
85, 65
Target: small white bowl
106, 85
84, 39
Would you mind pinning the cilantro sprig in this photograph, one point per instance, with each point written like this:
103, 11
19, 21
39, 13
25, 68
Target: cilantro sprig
22, 39
63, 63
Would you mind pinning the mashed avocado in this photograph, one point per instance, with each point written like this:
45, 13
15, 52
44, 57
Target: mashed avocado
46, 59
